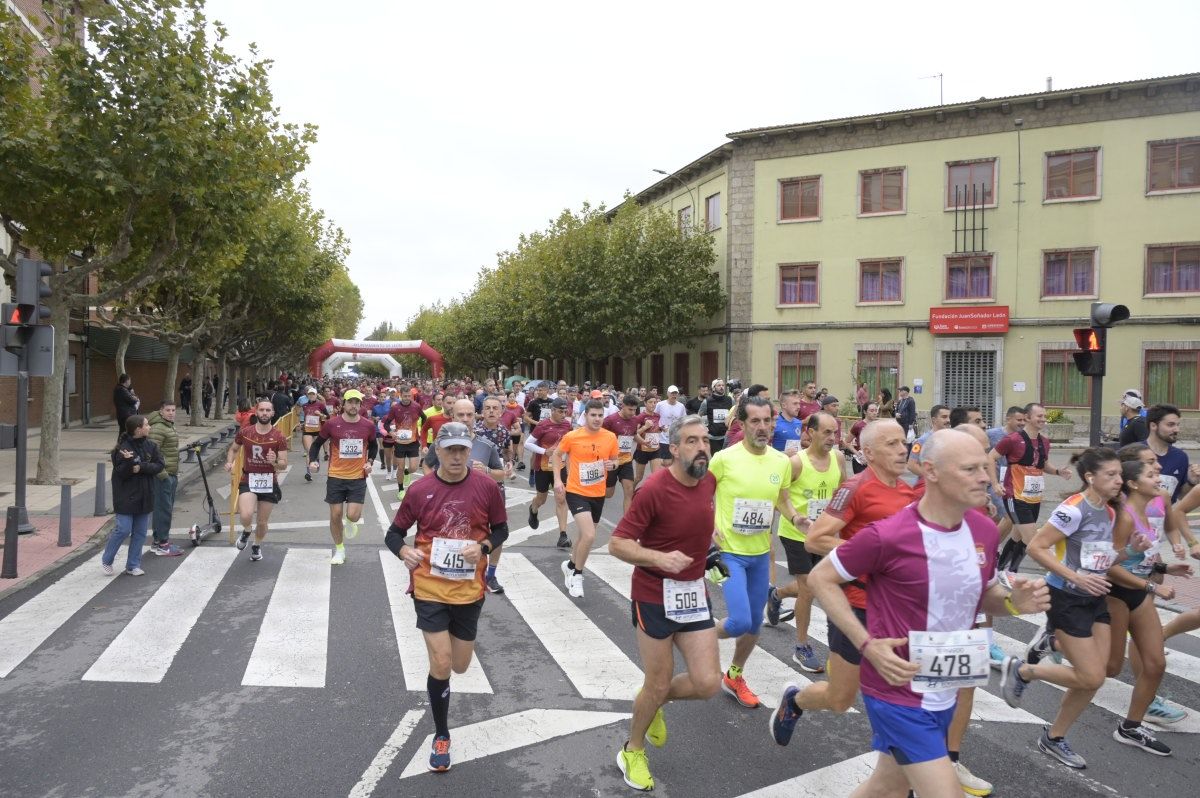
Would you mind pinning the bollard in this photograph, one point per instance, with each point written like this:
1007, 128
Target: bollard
64, 516
101, 505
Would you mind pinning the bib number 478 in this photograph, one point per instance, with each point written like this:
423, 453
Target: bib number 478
950, 665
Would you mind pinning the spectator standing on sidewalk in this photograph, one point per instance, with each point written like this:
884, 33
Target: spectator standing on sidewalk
906, 410
282, 401
185, 393
206, 396
136, 462
125, 402
164, 436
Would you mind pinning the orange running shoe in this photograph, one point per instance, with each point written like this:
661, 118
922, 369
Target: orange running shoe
739, 690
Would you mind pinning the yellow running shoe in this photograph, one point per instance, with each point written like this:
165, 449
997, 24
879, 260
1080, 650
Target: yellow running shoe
635, 768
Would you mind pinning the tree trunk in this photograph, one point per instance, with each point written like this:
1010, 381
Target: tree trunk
222, 386
199, 375
52, 392
122, 348
173, 350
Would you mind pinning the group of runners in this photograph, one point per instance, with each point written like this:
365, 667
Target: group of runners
909, 574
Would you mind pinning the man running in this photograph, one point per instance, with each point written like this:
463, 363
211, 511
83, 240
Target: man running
648, 436
666, 536
404, 422
809, 402
751, 481
931, 569
352, 439
789, 429
715, 410
541, 442
314, 415
460, 519
858, 463
592, 452
669, 412
624, 424
263, 450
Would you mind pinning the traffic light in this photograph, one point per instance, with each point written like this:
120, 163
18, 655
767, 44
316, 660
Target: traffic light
1090, 357
33, 285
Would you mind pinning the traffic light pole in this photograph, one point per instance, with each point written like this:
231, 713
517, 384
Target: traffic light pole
1097, 407
17, 522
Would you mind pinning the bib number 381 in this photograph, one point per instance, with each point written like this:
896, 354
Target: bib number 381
685, 602
447, 560
949, 660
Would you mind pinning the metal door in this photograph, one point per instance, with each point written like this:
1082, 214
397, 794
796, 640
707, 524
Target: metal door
969, 380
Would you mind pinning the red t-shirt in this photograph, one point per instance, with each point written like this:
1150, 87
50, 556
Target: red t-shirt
625, 429
862, 500
547, 434
511, 416
349, 441
652, 432
807, 408
255, 446
668, 516
429, 429
407, 418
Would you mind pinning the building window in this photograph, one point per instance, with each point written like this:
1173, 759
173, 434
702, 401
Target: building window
968, 277
878, 370
712, 212
1173, 377
683, 219
1062, 384
1173, 270
798, 284
1073, 175
881, 191
880, 281
796, 367
799, 199
1173, 165
1069, 273
971, 183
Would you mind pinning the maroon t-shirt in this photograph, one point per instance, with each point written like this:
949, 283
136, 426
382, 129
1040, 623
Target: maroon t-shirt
547, 434
807, 408
255, 446
668, 516
625, 429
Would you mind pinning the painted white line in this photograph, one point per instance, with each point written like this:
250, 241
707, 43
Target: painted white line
838, 779
593, 662
146, 647
410, 642
383, 760
283, 475
224, 492
276, 525
28, 626
497, 735
385, 520
293, 640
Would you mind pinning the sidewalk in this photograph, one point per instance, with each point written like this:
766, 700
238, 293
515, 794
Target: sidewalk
80, 449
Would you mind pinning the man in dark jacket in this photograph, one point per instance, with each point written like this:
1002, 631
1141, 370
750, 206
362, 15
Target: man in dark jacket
136, 462
165, 437
906, 409
281, 401
125, 402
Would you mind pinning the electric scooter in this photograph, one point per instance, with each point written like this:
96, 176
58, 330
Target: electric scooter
198, 532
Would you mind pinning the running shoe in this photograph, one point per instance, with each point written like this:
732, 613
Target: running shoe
997, 655
970, 783
1041, 646
255, 552
493, 585
439, 756
635, 769
135, 572
307, 477
520, 465
806, 658
774, 605
783, 719
1141, 737
339, 556
171, 550
1162, 714
351, 528
740, 691
1060, 750
107, 568
1012, 686
242, 540
575, 585
564, 542
533, 519
786, 616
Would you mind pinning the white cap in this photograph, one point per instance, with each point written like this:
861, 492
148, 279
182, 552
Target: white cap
672, 389
1132, 402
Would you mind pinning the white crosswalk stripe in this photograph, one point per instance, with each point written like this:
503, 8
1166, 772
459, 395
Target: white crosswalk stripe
292, 644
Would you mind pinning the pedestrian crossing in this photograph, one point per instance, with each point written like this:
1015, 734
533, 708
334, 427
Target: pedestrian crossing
291, 641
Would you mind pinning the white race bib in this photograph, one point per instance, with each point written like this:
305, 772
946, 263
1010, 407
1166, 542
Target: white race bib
1168, 482
592, 473
625, 444
350, 448
1156, 525
261, 483
791, 446
1034, 485
446, 559
312, 421
815, 506
405, 434
1096, 555
751, 516
664, 438
949, 660
719, 415
685, 602
544, 413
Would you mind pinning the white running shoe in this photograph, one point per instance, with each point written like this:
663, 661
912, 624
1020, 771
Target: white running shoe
575, 585
339, 556
351, 528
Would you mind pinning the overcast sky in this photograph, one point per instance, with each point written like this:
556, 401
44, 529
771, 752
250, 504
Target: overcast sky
448, 129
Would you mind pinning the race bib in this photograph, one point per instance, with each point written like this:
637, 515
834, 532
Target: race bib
1000, 474
949, 660
751, 516
1156, 526
791, 446
544, 413
1096, 555
350, 448
446, 559
312, 421
719, 415
1168, 482
405, 434
664, 438
261, 483
592, 473
1033, 486
625, 444
815, 506
685, 602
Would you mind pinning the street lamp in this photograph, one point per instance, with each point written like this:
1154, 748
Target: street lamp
687, 188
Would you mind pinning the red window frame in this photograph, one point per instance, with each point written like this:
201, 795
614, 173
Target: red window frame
881, 265
1175, 281
797, 272
972, 263
1192, 145
896, 172
989, 197
800, 186
1071, 255
1074, 161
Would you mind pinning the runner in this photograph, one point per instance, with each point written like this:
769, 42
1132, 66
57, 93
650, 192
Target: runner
591, 451
816, 473
263, 450
432, 418
624, 424
669, 412
352, 439
383, 431
858, 463
541, 441
538, 408
789, 429
715, 410
1177, 477
649, 435
666, 536
314, 416
810, 402
932, 569
510, 419
460, 519
1024, 482
939, 418
752, 481
404, 422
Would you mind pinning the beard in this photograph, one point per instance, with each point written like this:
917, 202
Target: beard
697, 467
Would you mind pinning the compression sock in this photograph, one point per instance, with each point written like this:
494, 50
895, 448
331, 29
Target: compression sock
734, 671
491, 571
1006, 554
1018, 557
439, 703
953, 755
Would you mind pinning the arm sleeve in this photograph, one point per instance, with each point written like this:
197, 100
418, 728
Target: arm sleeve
394, 539
372, 448
841, 506
531, 445
495, 461
314, 451
634, 523
431, 458
498, 535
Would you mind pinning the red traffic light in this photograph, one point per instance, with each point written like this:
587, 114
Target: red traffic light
1087, 339
15, 317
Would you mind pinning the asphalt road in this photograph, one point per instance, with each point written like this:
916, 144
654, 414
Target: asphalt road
213, 676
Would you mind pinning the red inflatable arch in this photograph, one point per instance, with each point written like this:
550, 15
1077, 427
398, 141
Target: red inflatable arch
323, 352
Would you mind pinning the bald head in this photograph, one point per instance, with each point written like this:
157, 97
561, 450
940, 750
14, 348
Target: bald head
884, 446
463, 410
876, 430
947, 445
954, 465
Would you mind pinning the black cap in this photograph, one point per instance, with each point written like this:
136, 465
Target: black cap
558, 403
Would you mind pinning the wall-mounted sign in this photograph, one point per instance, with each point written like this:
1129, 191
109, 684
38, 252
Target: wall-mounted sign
967, 320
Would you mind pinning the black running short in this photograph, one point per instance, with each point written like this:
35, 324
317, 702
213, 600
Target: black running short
1131, 596
407, 450
652, 619
273, 497
543, 481
351, 491
460, 620
578, 505
645, 457
664, 451
800, 560
622, 472
1075, 615
1020, 512
840, 644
